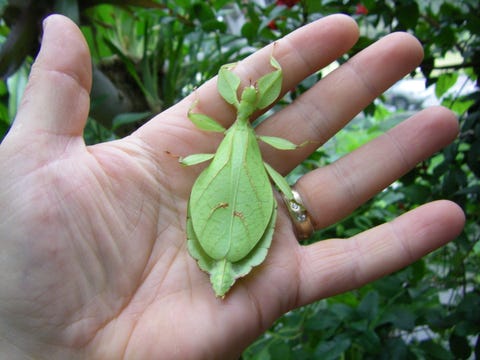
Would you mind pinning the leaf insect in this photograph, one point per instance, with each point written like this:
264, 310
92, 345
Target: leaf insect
232, 210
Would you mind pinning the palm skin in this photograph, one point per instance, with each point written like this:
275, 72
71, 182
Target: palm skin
93, 258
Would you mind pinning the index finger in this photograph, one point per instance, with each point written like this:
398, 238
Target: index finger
300, 54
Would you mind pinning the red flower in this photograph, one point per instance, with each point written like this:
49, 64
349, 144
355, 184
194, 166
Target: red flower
361, 9
272, 25
288, 3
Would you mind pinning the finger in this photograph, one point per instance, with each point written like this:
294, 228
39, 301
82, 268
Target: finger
300, 54
334, 191
56, 101
334, 266
327, 107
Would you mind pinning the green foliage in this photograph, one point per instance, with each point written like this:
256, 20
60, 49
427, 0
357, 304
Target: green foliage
154, 52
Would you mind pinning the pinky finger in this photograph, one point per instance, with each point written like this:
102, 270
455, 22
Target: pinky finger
335, 266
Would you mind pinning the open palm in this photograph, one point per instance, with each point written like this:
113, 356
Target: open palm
93, 259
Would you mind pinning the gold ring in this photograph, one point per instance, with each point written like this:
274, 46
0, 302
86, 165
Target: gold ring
302, 223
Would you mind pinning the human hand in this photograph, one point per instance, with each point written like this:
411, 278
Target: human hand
93, 258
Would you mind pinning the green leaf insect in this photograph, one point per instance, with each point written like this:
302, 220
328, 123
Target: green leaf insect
232, 210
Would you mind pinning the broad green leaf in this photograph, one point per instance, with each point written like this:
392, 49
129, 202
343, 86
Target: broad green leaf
227, 84
444, 83
368, 307
333, 349
402, 317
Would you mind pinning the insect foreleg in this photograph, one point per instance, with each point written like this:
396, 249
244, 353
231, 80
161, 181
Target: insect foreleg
280, 181
195, 159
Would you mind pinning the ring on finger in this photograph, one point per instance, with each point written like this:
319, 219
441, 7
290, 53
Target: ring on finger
302, 223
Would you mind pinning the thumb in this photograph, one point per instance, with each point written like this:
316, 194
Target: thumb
56, 100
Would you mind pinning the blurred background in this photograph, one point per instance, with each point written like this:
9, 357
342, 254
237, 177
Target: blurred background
149, 54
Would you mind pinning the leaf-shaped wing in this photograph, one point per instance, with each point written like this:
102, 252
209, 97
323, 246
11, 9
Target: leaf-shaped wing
232, 200
223, 273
